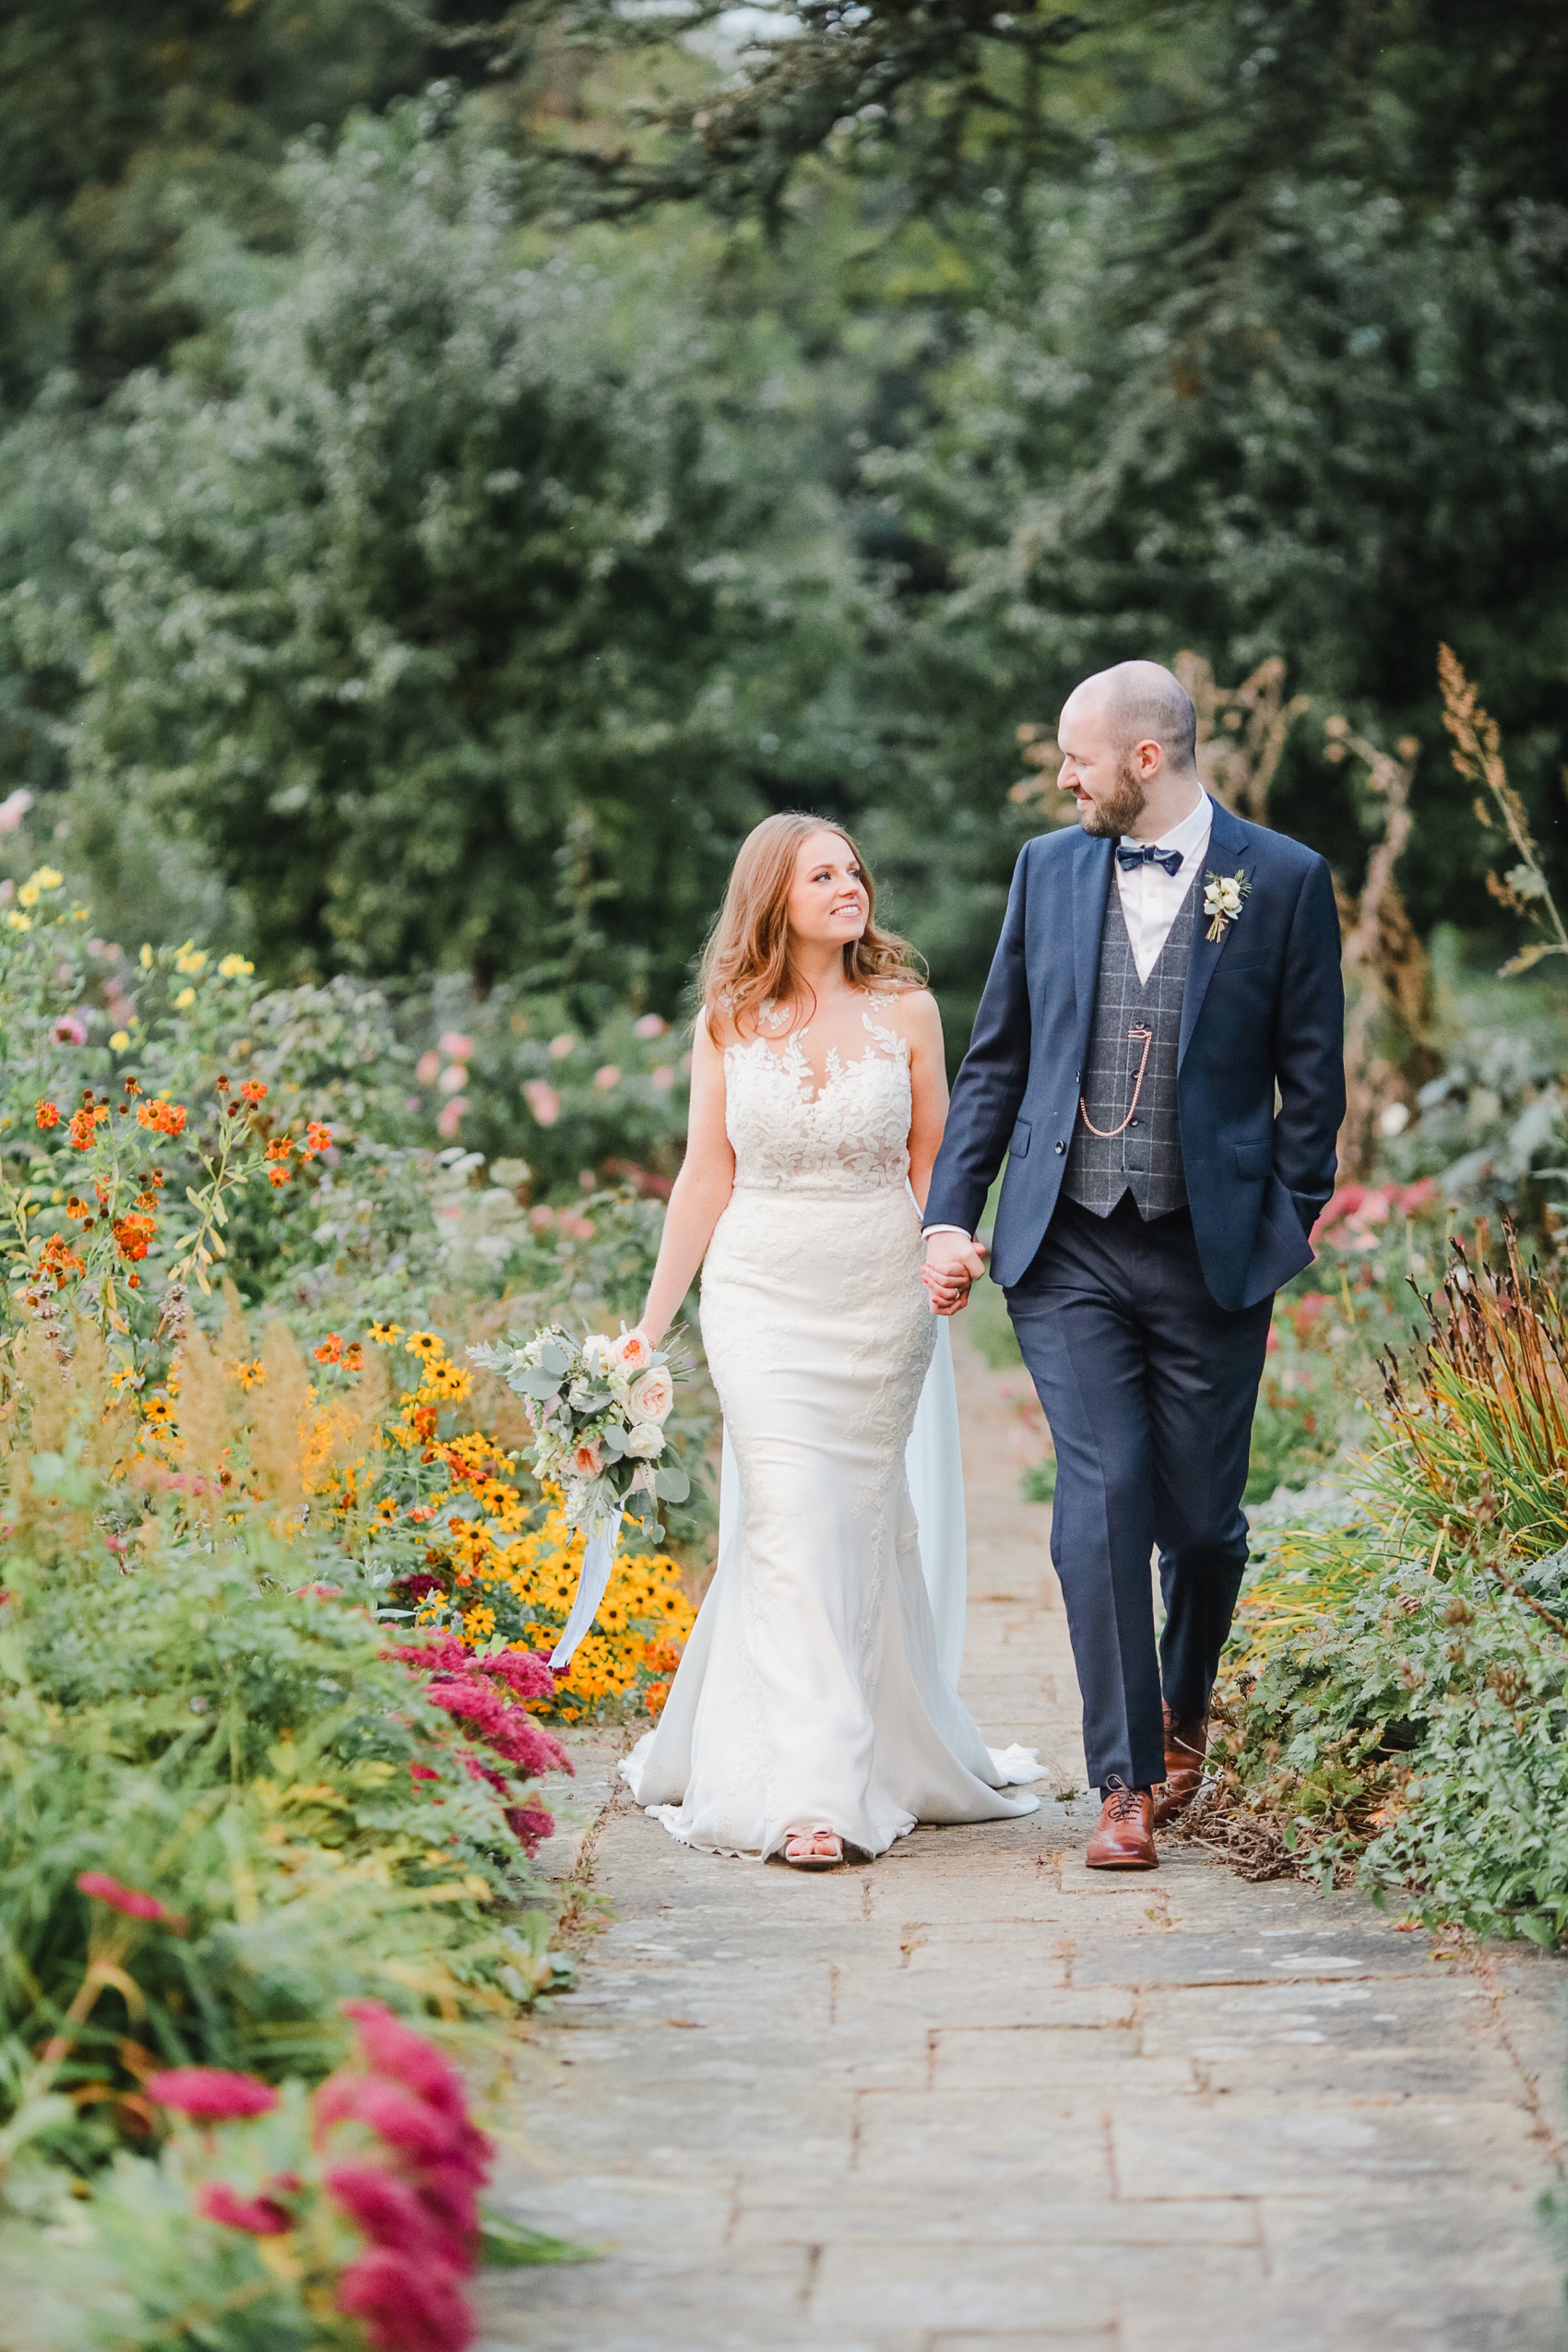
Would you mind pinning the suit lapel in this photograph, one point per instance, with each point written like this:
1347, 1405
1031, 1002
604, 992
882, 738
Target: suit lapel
1091, 859
1229, 843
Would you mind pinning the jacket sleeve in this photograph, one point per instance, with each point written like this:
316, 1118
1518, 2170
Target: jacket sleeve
1308, 1048
991, 1081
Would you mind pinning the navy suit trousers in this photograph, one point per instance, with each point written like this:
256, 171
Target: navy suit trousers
1149, 1388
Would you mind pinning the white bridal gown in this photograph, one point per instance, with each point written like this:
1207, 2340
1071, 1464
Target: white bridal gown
811, 1694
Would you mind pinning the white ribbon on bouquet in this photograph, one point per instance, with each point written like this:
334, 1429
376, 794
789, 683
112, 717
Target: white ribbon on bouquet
598, 1558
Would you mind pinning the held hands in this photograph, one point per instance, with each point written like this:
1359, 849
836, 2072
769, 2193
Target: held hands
952, 1263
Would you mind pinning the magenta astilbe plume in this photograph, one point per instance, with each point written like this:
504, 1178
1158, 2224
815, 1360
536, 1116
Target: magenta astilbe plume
420, 2208
407, 2301
382, 2208
101, 1888
437, 1654
525, 1673
509, 1730
391, 2047
211, 2094
262, 2216
530, 1826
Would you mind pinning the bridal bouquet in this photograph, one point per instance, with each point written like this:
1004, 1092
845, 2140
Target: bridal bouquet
597, 1408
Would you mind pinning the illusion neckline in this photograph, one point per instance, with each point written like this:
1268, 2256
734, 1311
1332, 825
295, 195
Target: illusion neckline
886, 1045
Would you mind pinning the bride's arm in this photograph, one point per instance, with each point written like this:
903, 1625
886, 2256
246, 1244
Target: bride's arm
921, 1025
701, 1192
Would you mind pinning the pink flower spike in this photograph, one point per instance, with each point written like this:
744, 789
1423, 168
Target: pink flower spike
526, 1674
408, 2302
262, 2216
101, 1888
530, 1826
211, 2094
382, 2208
393, 2048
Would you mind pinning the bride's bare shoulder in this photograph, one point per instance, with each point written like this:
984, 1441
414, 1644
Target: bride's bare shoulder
716, 1027
912, 1012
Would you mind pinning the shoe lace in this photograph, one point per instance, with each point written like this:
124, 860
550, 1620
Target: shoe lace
1123, 1803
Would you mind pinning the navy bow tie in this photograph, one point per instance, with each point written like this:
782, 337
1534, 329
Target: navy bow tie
1146, 854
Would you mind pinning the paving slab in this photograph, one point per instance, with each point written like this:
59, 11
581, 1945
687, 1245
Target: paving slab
975, 2098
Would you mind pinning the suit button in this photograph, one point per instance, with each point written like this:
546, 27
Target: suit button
1060, 1146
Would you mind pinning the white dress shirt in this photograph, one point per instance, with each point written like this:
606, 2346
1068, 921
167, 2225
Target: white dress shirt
1151, 899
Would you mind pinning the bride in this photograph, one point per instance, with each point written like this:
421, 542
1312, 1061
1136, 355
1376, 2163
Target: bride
810, 1714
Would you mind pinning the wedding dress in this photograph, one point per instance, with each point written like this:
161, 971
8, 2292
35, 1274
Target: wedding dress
811, 1694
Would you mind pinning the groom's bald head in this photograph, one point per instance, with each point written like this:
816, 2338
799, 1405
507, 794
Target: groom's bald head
1128, 738
1141, 702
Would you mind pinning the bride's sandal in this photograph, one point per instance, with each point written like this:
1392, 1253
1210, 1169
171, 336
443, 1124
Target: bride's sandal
814, 1849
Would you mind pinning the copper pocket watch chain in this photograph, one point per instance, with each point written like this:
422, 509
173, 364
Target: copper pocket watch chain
1136, 1030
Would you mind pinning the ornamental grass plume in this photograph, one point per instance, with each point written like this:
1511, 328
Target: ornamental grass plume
280, 1411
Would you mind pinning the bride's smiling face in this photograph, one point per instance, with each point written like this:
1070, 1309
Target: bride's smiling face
828, 901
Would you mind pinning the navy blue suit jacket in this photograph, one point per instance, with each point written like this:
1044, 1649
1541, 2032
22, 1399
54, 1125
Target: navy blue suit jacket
1264, 1010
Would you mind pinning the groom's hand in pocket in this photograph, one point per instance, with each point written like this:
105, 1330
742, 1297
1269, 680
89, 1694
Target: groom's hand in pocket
953, 1261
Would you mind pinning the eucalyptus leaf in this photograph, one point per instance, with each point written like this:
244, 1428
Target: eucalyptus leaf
671, 1485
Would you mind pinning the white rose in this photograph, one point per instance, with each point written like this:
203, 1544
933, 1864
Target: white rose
650, 1396
645, 1441
598, 1355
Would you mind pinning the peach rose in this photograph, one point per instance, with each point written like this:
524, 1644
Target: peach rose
631, 1352
585, 1458
650, 1398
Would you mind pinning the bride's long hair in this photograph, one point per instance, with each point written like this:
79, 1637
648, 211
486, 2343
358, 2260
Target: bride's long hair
747, 962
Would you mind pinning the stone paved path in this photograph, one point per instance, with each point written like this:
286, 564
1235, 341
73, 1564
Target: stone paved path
972, 2099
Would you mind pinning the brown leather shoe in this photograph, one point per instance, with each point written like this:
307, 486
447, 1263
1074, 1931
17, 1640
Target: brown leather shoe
1186, 1743
1123, 1836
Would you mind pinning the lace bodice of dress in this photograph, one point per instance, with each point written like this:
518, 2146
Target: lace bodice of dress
851, 1136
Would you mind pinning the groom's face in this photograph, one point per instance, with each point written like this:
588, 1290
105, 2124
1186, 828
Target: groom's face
1096, 769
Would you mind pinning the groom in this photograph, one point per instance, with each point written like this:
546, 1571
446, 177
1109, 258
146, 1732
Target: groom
1158, 1054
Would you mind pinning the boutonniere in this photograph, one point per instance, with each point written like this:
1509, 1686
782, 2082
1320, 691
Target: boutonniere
1223, 894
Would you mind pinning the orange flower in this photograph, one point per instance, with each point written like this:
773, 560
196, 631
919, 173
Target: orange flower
85, 1125
132, 1235
279, 1148
252, 1091
330, 1351
353, 1358
164, 1118
317, 1136
275, 1176
47, 1113
58, 1259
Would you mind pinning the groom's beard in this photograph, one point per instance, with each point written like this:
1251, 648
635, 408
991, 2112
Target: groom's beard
1121, 808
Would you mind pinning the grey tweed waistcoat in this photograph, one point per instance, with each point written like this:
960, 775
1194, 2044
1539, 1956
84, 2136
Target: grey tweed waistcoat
1145, 1158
